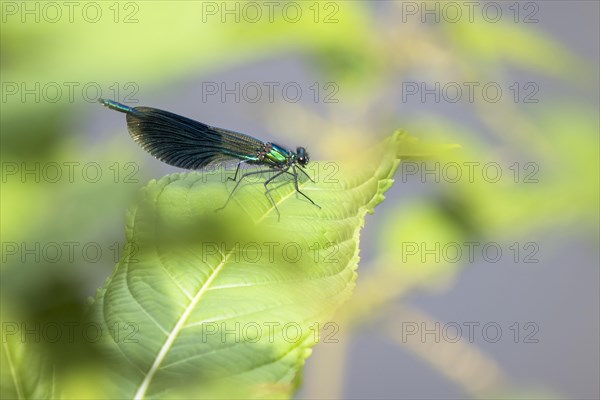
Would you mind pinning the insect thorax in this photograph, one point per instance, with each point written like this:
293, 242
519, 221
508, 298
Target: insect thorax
275, 155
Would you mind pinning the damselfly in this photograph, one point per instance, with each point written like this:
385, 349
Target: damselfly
190, 144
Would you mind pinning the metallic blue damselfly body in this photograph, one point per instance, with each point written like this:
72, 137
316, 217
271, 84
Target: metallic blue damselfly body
190, 144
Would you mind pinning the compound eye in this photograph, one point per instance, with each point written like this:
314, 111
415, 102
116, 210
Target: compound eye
302, 156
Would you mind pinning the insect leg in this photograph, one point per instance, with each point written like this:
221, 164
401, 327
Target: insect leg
267, 190
236, 171
307, 175
240, 181
298, 189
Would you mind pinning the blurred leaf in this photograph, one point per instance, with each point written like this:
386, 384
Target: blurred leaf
524, 198
78, 56
412, 229
510, 43
77, 51
26, 372
47, 343
402, 265
72, 184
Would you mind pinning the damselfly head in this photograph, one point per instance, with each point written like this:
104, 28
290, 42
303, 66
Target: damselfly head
302, 156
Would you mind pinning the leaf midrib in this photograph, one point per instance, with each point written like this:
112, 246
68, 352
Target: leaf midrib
13, 373
141, 392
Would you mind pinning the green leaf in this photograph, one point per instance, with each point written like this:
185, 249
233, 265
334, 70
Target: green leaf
205, 302
134, 40
25, 371
495, 43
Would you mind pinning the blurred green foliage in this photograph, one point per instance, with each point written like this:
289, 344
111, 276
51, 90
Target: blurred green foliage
367, 54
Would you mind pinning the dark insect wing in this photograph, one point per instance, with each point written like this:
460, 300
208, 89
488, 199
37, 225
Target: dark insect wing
190, 144
186, 143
